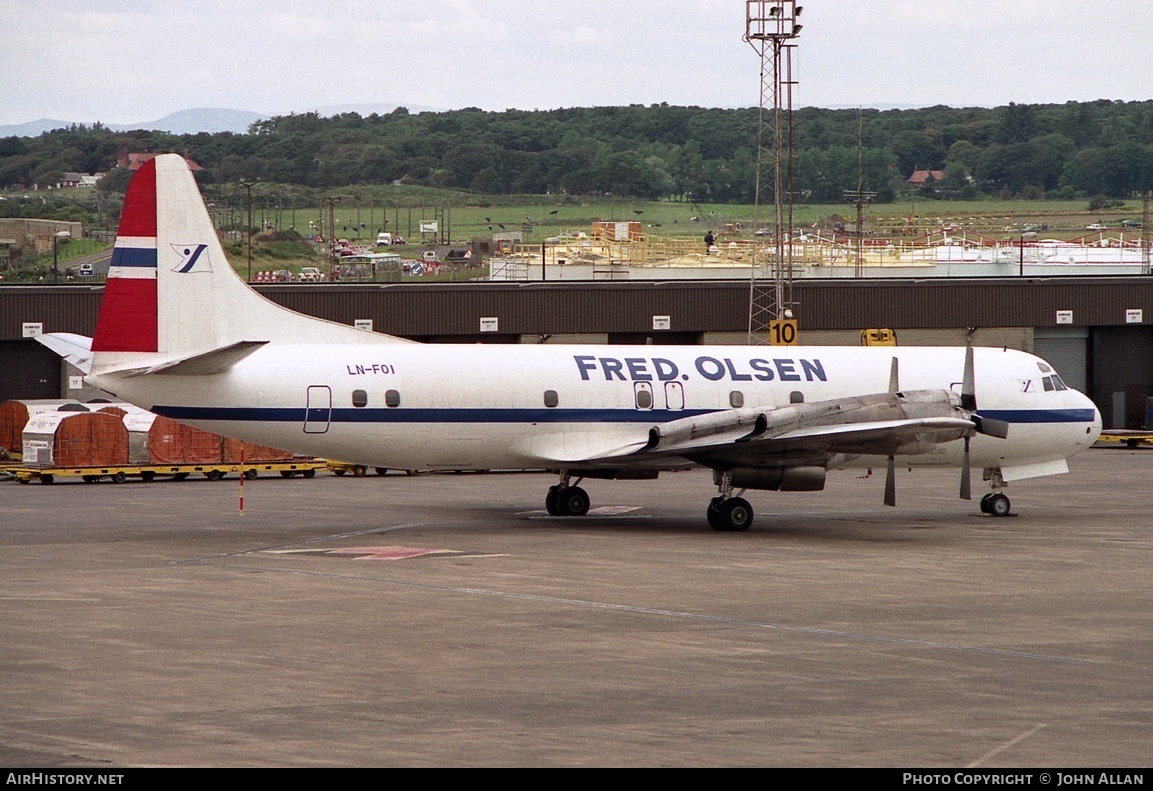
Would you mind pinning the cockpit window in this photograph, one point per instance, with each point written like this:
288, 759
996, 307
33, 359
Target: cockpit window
1057, 383
1048, 382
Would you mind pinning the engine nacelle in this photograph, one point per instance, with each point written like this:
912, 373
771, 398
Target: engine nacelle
779, 479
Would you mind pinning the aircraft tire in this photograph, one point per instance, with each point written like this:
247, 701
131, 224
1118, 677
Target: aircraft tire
734, 515
551, 500
999, 505
711, 513
573, 501
985, 502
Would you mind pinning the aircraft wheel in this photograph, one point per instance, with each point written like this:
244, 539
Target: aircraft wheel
985, 502
732, 516
572, 501
999, 505
711, 512
551, 500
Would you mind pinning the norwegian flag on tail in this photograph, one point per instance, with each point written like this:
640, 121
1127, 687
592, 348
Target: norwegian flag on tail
128, 314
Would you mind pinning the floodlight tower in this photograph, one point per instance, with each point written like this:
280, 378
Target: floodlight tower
770, 28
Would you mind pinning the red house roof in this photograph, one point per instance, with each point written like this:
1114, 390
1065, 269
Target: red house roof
919, 177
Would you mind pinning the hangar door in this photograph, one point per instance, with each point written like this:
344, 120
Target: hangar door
1067, 350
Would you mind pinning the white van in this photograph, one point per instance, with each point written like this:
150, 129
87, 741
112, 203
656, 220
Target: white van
384, 239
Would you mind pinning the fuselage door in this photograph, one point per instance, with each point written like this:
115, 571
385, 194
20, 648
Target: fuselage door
318, 413
674, 395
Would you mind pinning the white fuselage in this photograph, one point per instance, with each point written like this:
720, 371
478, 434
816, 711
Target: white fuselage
419, 406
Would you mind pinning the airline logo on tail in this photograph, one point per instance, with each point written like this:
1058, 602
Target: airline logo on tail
194, 259
128, 314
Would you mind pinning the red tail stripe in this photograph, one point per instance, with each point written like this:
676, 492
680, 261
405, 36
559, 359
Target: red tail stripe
139, 215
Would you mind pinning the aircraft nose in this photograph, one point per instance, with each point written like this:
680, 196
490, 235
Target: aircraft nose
1092, 428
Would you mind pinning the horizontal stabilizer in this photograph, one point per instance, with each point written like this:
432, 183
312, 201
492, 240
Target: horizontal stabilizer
76, 349
216, 361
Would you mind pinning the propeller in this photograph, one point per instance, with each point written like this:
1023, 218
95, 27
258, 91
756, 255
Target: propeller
891, 469
988, 426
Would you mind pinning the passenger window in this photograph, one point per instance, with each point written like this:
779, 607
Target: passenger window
359, 398
644, 395
550, 398
392, 398
736, 399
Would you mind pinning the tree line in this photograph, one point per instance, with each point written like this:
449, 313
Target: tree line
706, 155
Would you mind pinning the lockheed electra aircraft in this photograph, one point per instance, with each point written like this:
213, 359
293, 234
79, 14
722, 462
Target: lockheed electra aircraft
181, 334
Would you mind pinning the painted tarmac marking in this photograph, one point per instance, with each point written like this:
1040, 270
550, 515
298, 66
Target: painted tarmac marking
385, 553
998, 750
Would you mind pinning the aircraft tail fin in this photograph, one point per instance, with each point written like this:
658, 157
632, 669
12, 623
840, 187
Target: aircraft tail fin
171, 293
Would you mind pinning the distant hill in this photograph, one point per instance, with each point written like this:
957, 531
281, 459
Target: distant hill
199, 119
202, 119
185, 122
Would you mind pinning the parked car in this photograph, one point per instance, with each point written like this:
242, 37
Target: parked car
310, 274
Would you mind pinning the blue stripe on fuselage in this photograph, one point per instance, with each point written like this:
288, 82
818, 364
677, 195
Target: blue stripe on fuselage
407, 415
1040, 415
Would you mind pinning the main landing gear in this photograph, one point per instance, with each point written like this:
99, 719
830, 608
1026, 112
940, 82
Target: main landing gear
564, 499
995, 503
727, 513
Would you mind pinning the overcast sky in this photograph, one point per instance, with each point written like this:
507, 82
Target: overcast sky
123, 61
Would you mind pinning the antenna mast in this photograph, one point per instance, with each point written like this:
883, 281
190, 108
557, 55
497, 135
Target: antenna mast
770, 28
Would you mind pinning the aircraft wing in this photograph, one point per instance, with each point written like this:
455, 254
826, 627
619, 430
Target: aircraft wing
883, 424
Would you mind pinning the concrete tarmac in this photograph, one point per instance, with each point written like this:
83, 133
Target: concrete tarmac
445, 620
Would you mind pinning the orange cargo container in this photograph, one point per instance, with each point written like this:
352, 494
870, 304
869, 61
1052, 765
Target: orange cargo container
252, 452
75, 439
159, 440
14, 417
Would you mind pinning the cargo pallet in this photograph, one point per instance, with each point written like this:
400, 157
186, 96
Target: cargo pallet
178, 472
1125, 439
